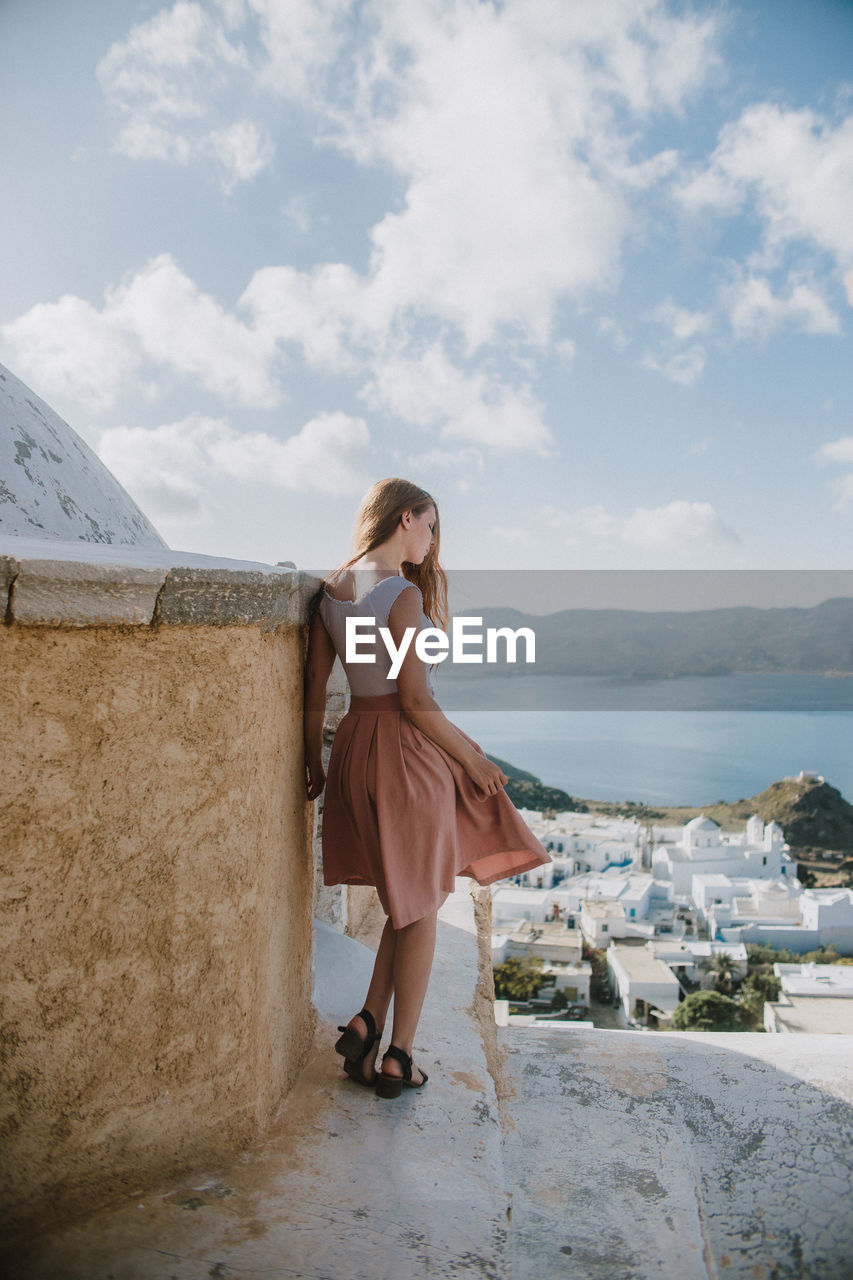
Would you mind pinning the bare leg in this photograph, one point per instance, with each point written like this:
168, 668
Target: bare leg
402, 968
413, 956
379, 994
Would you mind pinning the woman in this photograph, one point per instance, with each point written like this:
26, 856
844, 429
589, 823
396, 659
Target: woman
411, 801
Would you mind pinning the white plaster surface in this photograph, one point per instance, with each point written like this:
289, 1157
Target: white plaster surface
52, 485
21, 547
641, 1156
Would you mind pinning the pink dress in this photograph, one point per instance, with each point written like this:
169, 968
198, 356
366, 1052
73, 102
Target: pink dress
400, 813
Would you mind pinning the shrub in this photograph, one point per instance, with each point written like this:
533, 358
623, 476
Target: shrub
707, 1011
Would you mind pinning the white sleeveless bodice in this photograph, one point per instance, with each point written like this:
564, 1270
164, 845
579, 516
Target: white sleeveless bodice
368, 679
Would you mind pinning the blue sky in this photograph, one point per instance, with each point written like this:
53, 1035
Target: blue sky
583, 269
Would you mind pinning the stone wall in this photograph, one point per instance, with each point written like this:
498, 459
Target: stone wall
347, 907
155, 844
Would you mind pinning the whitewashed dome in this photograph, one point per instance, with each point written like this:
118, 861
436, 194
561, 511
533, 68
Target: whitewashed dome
52, 485
701, 823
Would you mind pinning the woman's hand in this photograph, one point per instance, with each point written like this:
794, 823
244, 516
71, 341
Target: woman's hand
485, 774
315, 778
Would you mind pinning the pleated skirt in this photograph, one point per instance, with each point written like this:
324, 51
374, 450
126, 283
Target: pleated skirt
402, 815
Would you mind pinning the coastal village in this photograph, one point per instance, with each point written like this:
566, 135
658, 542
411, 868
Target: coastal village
670, 909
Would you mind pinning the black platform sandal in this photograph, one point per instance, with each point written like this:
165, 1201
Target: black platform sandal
392, 1086
354, 1050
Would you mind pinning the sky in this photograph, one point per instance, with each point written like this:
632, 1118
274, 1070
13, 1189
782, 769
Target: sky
583, 269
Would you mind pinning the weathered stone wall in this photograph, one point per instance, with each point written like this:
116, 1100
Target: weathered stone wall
155, 935
344, 906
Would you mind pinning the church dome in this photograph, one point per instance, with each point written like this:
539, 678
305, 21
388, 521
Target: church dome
52, 485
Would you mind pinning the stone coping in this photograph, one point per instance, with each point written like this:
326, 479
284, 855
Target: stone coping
77, 584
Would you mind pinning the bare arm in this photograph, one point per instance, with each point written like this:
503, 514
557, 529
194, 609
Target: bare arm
318, 667
421, 708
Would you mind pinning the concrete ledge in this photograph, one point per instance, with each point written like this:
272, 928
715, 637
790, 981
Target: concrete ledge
75, 584
57, 593
672, 1156
220, 597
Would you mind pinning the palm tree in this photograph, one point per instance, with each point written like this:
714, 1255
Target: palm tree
725, 968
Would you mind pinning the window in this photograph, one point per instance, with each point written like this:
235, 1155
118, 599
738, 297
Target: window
604, 928
632, 911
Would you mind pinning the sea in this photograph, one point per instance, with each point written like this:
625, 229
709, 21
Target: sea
695, 741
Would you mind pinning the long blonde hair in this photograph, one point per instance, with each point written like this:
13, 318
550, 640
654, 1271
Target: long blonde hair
378, 517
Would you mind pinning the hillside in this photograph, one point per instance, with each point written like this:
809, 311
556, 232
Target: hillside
527, 792
645, 645
811, 813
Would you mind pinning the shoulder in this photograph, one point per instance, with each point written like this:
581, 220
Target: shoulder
403, 597
339, 587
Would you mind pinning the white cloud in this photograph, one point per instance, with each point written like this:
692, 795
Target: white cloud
795, 166
756, 312
189, 331
836, 451
839, 452
674, 528
676, 525
431, 391
242, 151
326, 312
301, 39
163, 82
159, 315
681, 367
69, 349
579, 524
507, 124
161, 466
682, 323
325, 456
166, 468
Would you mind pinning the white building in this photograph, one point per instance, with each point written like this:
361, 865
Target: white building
814, 998
806, 920
644, 909
642, 982
581, 843
689, 958
702, 849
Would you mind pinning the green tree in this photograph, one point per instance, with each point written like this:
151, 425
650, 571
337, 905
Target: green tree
751, 1007
725, 968
707, 1011
761, 985
518, 978
766, 984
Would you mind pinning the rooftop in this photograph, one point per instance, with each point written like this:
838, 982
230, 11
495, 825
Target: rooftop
816, 979
642, 965
814, 1015
607, 910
